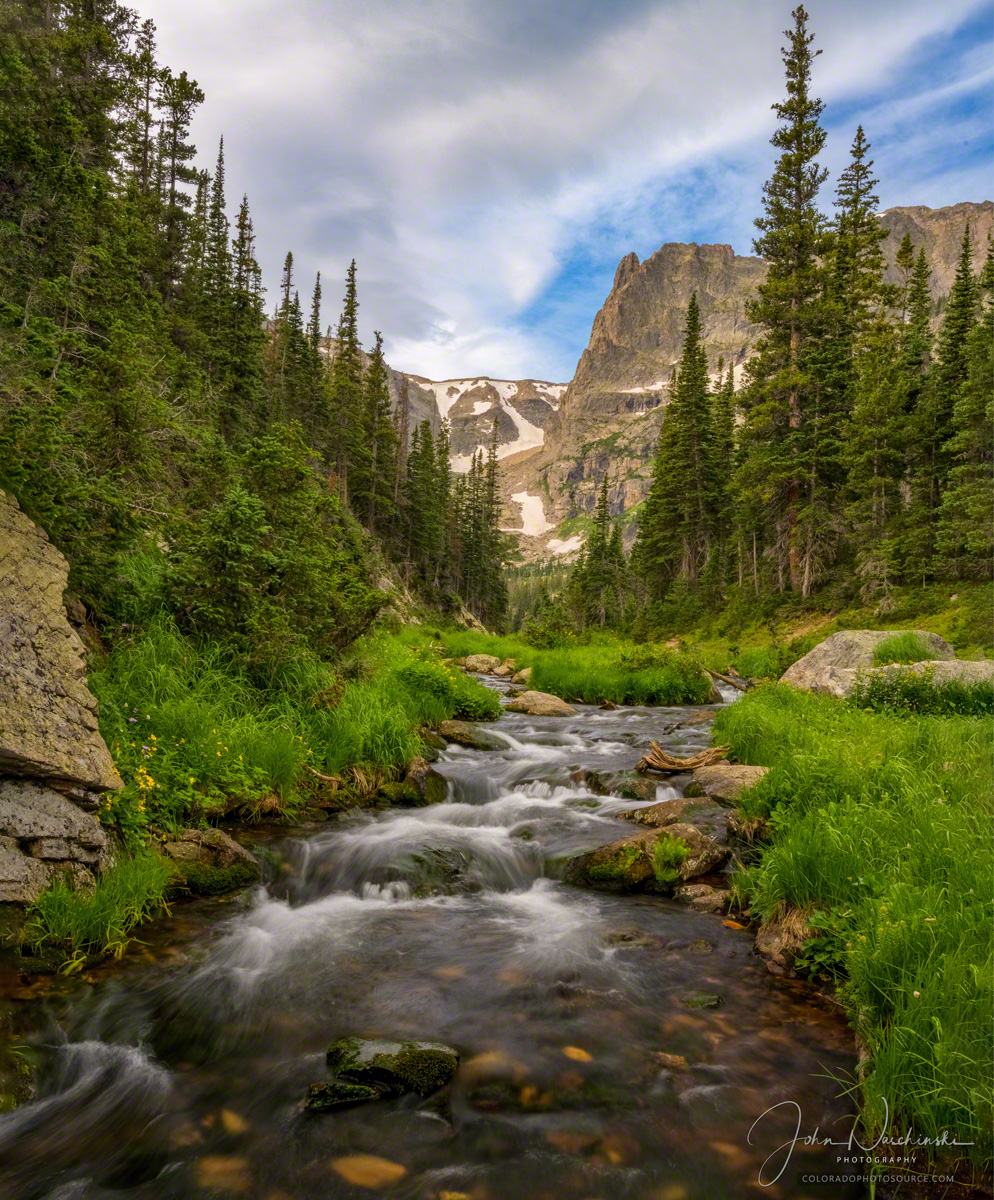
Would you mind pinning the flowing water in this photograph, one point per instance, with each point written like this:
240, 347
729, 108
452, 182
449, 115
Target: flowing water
588, 1069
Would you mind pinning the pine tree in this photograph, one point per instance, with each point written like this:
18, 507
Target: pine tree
243, 410
858, 243
346, 443
373, 491
876, 453
789, 311
216, 288
676, 523
965, 535
935, 401
178, 99
905, 263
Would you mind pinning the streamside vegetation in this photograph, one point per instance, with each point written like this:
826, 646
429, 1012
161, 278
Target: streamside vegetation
875, 836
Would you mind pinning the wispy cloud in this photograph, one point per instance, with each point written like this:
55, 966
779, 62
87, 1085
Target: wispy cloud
488, 161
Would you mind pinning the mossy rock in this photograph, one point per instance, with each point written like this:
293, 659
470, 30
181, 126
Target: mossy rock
384, 1069
337, 1093
206, 879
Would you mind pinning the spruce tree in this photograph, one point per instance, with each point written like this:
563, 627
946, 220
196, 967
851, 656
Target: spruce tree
347, 446
789, 311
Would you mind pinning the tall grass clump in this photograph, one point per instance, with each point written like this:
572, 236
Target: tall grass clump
906, 647
73, 922
880, 838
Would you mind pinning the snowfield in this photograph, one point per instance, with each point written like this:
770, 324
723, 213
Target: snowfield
533, 522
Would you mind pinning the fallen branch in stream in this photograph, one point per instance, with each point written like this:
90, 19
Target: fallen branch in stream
735, 681
658, 760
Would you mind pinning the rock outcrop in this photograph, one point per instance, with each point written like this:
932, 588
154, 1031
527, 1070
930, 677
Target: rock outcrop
53, 762
831, 667
724, 782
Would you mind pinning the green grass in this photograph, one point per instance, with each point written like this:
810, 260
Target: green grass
881, 830
194, 735
74, 923
907, 647
903, 690
667, 854
603, 669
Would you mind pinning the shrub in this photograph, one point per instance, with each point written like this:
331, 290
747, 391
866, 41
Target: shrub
75, 922
907, 647
907, 691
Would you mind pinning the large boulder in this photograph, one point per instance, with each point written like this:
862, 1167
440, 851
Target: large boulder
541, 704
724, 782
48, 717
54, 764
670, 812
831, 667
463, 733
484, 664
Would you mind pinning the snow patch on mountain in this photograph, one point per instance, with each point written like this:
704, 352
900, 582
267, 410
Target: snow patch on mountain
560, 546
533, 522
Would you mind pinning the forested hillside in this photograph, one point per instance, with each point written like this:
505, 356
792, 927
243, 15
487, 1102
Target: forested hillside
187, 447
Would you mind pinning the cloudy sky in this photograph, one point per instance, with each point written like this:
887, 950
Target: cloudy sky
487, 162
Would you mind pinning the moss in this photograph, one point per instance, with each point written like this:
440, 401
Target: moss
203, 879
617, 869
337, 1093
343, 1053
424, 1068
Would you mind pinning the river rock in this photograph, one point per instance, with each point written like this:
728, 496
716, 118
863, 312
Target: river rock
483, 664
623, 866
522, 676
420, 786
701, 897
830, 668
705, 854
724, 782
427, 784
369, 1069
668, 812
210, 861
505, 669
541, 704
629, 865
463, 733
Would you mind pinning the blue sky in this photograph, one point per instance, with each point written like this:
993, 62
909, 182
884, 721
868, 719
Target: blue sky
488, 162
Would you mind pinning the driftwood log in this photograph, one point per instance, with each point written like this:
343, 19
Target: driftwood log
658, 760
735, 681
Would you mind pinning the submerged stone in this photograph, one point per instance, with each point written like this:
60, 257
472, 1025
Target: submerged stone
392, 1068
337, 1094
703, 1000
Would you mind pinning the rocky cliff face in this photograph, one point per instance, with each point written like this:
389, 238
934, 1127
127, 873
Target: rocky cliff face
53, 761
609, 418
